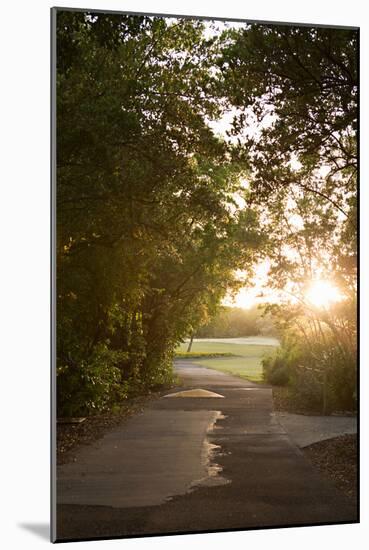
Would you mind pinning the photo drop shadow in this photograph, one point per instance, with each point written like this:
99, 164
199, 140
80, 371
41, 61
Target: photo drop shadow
42, 530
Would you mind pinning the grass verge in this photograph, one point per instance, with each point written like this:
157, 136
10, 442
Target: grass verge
243, 360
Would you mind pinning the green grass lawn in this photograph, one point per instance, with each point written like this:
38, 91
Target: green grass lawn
246, 363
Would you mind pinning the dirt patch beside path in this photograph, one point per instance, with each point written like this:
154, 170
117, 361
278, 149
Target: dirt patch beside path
337, 459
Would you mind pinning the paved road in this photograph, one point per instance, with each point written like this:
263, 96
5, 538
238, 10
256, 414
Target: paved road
250, 340
306, 430
189, 464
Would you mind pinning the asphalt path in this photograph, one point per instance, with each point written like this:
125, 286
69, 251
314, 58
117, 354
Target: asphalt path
249, 340
195, 464
305, 430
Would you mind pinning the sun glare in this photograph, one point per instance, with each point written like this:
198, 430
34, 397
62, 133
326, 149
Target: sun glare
245, 299
322, 294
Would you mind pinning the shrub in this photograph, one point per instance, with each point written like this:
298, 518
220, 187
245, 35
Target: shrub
92, 385
277, 367
341, 382
279, 376
321, 375
306, 387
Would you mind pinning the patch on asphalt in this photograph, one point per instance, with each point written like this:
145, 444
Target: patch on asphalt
194, 393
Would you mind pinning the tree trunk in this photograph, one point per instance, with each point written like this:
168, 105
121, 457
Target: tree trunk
325, 391
190, 343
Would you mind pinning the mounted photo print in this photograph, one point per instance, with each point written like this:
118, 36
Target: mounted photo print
204, 229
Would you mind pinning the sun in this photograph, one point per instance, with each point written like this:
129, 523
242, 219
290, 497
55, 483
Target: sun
322, 294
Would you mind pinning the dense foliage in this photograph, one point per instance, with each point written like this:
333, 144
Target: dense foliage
317, 364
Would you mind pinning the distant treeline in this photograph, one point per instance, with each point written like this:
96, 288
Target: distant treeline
232, 322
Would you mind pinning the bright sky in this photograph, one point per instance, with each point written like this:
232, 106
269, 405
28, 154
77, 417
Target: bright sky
256, 294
